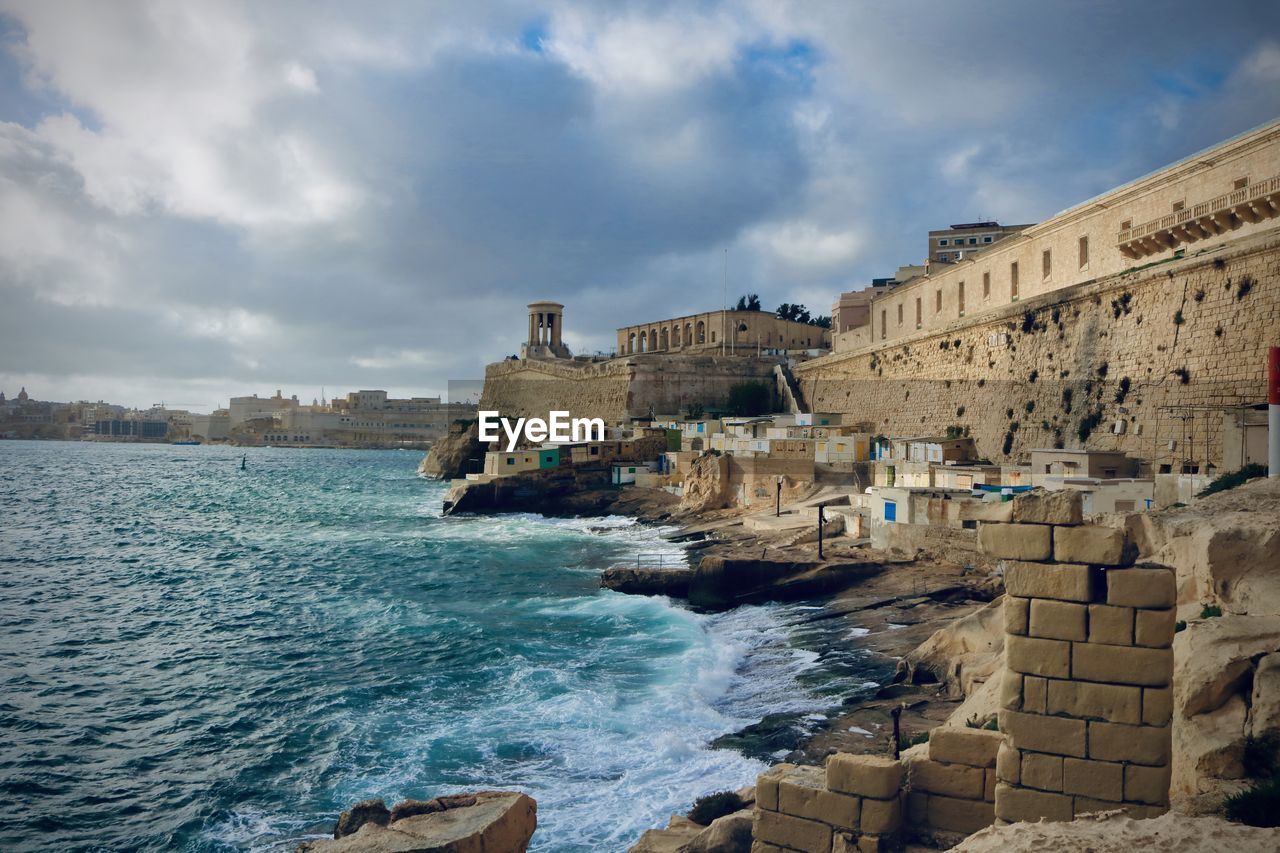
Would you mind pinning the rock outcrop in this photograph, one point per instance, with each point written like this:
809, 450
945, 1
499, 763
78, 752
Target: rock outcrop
706, 485
483, 822
450, 457
672, 582
963, 657
1113, 832
719, 583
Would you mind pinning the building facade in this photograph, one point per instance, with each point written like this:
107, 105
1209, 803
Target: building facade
733, 332
954, 244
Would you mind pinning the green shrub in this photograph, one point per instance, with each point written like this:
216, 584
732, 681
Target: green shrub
1179, 626
1233, 479
713, 806
748, 399
908, 741
1210, 611
1258, 806
1262, 756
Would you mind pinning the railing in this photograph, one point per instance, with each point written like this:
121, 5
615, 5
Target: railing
1252, 192
660, 561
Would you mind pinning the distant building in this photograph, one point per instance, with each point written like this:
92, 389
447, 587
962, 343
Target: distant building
734, 332
132, 428
959, 242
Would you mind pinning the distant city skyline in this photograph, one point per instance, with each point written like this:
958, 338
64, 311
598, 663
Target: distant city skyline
201, 200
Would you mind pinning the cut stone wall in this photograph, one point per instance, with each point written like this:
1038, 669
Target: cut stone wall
951, 788
1138, 348
1086, 698
621, 388
854, 804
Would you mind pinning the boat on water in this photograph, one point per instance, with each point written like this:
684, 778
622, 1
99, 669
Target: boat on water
186, 442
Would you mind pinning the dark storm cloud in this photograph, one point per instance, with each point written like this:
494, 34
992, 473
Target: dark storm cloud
228, 198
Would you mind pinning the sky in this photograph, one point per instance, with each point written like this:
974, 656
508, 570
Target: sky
207, 199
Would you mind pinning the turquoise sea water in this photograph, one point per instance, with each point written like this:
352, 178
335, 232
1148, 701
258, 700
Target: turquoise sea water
195, 657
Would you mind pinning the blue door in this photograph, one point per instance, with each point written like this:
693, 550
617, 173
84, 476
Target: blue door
890, 511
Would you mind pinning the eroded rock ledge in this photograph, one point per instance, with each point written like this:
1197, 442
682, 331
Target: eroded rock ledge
483, 822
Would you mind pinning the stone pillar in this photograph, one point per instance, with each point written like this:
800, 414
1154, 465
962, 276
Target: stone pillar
1086, 695
533, 326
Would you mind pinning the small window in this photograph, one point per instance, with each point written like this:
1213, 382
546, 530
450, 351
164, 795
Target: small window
883, 324
1166, 469
960, 296
511, 461
986, 285
1126, 225
1240, 183
943, 242
943, 256
1013, 279
986, 239
1046, 262
1084, 252
1178, 205
919, 312
973, 241
899, 313
937, 302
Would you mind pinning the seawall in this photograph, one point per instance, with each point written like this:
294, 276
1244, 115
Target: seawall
1166, 351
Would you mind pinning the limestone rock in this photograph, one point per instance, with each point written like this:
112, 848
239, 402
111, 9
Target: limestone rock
1208, 748
1113, 832
1264, 710
706, 485
484, 822
365, 811
1224, 547
728, 834
1213, 658
448, 458
963, 656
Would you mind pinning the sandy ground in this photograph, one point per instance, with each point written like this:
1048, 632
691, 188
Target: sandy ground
1112, 832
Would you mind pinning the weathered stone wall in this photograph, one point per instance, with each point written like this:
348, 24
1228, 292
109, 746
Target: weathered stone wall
1087, 693
1164, 350
952, 786
855, 803
621, 388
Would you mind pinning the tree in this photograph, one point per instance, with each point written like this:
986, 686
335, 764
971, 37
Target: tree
748, 302
822, 322
748, 399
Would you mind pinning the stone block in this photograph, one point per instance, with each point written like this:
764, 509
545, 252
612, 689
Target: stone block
974, 747
1011, 690
1039, 506
1154, 628
989, 785
791, 832
1000, 512
1149, 745
1015, 614
864, 775
1122, 664
1110, 625
882, 817
1056, 735
1057, 620
1025, 804
1016, 541
1097, 546
966, 816
1033, 656
1083, 699
1041, 771
765, 847
1144, 587
1034, 694
801, 797
1009, 764
1146, 784
1157, 706
1100, 780
1089, 805
1062, 581
952, 780
767, 786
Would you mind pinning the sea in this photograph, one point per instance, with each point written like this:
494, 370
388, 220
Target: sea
207, 648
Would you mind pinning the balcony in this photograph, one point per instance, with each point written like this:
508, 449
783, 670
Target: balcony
1207, 219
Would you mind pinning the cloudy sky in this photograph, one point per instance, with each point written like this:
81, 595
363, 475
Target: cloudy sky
200, 199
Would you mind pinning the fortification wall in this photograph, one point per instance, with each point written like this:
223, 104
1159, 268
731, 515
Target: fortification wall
1166, 350
631, 387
